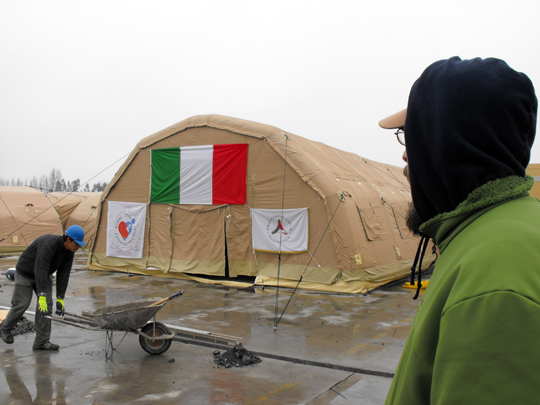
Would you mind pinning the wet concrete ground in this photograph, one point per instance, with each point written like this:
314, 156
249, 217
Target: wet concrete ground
327, 349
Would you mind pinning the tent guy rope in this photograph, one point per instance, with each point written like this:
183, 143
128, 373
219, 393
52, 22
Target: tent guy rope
341, 200
276, 307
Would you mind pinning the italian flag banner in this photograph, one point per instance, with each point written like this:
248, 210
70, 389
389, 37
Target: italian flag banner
206, 174
280, 230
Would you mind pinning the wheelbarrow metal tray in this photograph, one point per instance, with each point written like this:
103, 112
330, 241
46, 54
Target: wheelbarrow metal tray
125, 317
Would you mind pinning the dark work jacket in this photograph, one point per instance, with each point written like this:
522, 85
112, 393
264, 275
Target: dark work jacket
42, 258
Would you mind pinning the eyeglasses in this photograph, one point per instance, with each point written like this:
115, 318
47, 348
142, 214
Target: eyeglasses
400, 135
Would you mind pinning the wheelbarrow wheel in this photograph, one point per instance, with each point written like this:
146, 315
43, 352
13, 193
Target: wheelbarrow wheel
155, 330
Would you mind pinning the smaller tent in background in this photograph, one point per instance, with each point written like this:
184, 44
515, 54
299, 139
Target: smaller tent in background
25, 215
77, 208
64, 204
85, 215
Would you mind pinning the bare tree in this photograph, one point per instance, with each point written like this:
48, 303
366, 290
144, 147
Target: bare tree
43, 183
53, 182
54, 179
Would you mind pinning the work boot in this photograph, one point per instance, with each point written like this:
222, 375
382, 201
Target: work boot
45, 346
7, 336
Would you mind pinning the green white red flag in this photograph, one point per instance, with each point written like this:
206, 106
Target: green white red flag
205, 174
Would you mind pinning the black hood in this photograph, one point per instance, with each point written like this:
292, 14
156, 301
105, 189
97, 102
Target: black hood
468, 122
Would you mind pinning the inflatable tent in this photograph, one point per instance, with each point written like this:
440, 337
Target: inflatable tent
25, 214
77, 208
354, 212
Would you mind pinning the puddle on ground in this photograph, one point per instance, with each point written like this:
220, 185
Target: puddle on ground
250, 289
99, 273
128, 278
161, 282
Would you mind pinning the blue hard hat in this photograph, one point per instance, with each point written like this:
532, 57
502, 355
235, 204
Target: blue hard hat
76, 233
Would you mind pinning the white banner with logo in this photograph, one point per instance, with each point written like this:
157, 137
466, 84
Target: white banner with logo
125, 229
280, 230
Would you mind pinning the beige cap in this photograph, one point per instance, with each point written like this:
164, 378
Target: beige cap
394, 121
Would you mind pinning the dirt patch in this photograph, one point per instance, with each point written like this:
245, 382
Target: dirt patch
236, 356
24, 326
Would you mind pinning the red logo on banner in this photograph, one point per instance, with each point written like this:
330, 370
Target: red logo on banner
122, 228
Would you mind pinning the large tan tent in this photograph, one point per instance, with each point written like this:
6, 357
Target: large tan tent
357, 237
25, 214
77, 208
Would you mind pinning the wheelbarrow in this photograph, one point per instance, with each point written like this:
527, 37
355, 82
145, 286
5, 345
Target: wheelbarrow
154, 337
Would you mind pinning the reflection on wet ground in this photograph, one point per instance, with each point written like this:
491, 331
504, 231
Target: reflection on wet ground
160, 282
358, 331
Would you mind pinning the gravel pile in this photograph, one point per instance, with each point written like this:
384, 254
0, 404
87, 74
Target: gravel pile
236, 356
24, 326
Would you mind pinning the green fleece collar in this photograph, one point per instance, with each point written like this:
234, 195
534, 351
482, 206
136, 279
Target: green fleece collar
444, 227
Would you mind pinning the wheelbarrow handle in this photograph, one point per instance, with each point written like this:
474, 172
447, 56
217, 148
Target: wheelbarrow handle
178, 294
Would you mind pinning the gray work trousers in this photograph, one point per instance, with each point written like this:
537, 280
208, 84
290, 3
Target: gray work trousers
23, 292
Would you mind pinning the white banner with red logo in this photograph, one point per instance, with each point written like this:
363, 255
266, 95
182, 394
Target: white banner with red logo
125, 229
280, 230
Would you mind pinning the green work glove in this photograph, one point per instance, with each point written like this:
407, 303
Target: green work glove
60, 308
43, 304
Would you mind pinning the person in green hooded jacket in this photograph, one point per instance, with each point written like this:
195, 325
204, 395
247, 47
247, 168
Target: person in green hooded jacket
468, 131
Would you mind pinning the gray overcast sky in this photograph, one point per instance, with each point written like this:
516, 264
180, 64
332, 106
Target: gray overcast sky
82, 81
